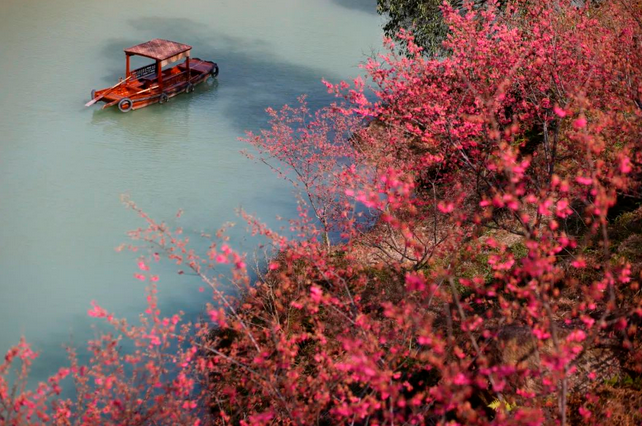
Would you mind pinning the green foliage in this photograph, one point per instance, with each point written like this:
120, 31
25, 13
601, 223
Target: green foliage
519, 250
626, 224
422, 17
496, 404
624, 381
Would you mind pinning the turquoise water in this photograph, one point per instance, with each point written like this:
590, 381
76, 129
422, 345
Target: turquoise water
63, 167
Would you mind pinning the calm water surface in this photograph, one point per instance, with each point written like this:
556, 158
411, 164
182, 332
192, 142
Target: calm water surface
63, 167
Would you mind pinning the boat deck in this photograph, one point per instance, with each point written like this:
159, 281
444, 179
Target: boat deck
174, 78
197, 65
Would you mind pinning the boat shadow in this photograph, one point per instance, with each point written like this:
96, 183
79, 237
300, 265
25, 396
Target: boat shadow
252, 76
366, 6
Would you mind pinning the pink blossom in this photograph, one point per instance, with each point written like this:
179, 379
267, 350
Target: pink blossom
579, 263
625, 165
559, 111
576, 336
316, 294
461, 379
96, 311
585, 412
582, 180
579, 123
445, 207
415, 282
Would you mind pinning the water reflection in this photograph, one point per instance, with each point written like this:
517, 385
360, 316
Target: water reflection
169, 121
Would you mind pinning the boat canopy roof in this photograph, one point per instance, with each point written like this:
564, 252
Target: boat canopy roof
159, 49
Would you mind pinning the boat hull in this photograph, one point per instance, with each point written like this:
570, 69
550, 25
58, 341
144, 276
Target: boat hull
139, 91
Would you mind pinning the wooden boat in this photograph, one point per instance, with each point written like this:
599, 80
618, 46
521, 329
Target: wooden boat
152, 84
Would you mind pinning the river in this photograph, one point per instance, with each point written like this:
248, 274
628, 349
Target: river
63, 167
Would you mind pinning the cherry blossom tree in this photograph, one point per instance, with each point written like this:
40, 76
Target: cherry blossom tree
499, 283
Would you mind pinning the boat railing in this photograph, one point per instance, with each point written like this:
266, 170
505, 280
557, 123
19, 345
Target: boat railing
143, 72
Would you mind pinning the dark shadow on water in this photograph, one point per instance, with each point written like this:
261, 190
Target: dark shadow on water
251, 77
367, 6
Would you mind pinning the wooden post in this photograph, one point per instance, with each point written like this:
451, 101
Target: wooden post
159, 72
127, 67
188, 70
